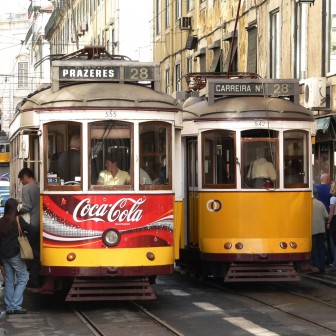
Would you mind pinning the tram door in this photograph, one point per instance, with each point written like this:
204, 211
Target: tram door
192, 177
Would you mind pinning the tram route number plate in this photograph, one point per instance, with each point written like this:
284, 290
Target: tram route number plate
276, 89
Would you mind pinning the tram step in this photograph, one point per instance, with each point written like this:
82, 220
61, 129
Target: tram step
261, 272
107, 289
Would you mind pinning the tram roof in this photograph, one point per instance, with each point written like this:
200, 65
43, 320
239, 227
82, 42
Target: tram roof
241, 107
84, 95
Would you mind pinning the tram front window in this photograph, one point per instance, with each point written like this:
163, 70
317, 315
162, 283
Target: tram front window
155, 155
111, 152
63, 154
295, 159
219, 159
259, 159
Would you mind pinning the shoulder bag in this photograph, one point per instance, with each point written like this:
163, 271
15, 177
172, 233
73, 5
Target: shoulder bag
25, 248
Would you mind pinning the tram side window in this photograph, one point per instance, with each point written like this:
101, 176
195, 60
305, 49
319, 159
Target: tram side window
295, 159
63, 154
155, 155
111, 153
258, 167
219, 167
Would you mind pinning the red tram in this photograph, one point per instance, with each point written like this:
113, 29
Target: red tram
109, 240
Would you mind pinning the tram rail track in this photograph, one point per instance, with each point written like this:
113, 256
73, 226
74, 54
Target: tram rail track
98, 328
284, 308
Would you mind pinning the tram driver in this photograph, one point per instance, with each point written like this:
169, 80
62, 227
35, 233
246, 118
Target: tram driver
112, 175
261, 170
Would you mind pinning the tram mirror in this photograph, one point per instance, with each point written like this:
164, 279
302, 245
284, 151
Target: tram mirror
24, 150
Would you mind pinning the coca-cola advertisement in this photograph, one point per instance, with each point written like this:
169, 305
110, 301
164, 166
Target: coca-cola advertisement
80, 220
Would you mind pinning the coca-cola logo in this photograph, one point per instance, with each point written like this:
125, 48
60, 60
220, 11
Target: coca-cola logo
123, 210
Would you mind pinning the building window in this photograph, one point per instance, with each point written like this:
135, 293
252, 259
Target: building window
177, 9
22, 74
301, 42
167, 81
230, 49
178, 77
189, 64
157, 17
190, 5
167, 17
331, 37
275, 44
252, 48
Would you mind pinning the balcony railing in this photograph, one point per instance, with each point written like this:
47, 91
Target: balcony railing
62, 4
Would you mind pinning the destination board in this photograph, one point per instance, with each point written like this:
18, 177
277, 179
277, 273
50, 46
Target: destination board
103, 73
250, 87
88, 73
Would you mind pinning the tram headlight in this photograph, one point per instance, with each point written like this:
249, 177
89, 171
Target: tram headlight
111, 237
293, 245
239, 246
227, 245
283, 245
150, 256
71, 256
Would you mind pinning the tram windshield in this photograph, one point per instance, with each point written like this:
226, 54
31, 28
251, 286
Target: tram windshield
111, 152
259, 168
63, 155
219, 159
296, 159
109, 165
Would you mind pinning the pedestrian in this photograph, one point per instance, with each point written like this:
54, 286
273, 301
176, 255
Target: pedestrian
331, 225
31, 205
323, 190
15, 268
320, 215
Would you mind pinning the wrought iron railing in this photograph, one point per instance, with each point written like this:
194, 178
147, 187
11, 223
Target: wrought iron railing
58, 9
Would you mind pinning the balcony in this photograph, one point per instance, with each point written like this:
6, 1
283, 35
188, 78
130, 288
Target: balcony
55, 16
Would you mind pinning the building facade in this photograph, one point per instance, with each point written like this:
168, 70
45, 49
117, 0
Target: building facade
273, 38
110, 23
14, 65
39, 12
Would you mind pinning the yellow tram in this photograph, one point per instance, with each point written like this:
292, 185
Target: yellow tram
234, 227
101, 241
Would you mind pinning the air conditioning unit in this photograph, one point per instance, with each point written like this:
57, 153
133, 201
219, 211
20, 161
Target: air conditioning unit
314, 92
185, 22
83, 26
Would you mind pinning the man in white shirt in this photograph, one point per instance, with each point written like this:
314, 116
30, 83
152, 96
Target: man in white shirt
261, 170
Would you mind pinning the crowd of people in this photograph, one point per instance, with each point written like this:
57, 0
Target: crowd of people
324, 225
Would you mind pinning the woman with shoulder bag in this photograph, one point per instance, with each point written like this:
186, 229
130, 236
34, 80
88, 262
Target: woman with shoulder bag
14, 266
